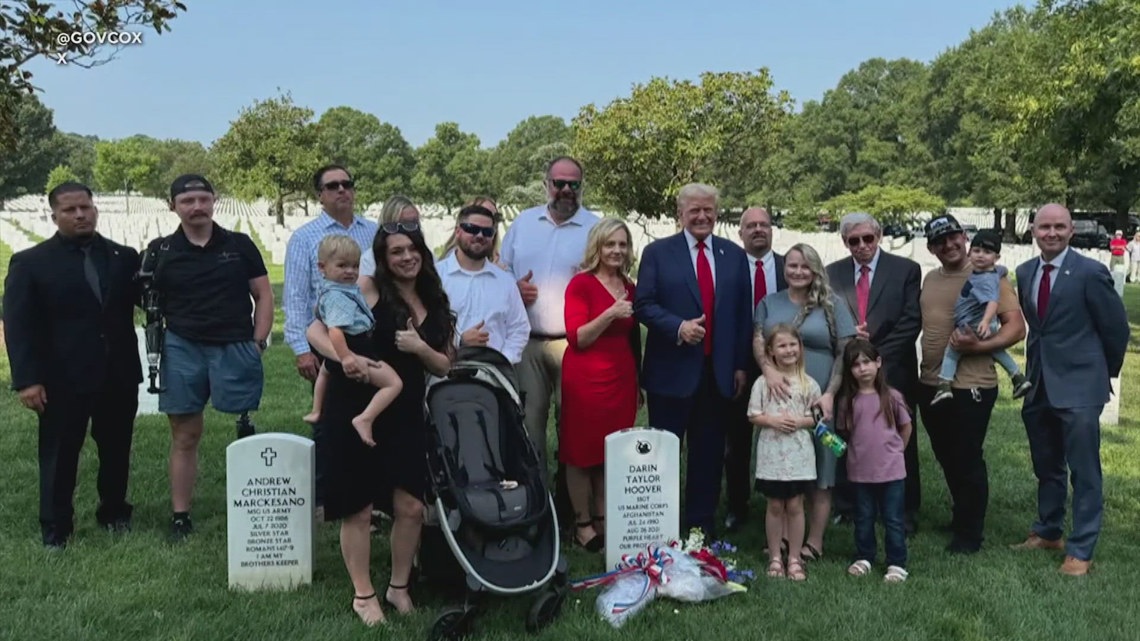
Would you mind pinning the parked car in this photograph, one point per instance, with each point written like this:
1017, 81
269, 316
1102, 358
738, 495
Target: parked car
1089, 234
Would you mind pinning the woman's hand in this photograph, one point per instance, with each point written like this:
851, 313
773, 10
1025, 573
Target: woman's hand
354, 367
409, 341
825, 404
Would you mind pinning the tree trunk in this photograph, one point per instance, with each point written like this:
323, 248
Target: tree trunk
997, 218
280, 207
1010, 228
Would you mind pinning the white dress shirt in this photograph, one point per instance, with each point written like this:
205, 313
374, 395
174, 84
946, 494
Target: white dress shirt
769, 268
1041, 263
692, 241
489, 295
874, 265
554, 252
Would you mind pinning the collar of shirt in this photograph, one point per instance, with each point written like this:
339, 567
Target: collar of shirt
450, 265
691, 241
573, 220
874, 264
767, 258
1056, 262
328, 221
78, 243
217, 235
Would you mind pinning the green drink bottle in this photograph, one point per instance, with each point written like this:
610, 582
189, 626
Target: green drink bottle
826, 436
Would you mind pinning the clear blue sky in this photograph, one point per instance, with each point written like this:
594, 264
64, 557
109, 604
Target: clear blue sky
486, 65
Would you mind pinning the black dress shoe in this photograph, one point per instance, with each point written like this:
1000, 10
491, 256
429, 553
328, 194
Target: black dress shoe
962, 546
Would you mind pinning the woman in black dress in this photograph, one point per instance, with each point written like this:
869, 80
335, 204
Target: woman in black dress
414, 333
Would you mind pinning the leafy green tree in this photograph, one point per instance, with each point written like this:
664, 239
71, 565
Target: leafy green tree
376, 153
178, 157
24, 170
31, 29
890, 204
270, 151
61, 174
448, 167
129, 164
512, 163
78, 154
639, 151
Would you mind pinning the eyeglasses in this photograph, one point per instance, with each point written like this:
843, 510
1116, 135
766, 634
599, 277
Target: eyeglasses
865, 239
562, 184
335, 185
473, 229
393, 228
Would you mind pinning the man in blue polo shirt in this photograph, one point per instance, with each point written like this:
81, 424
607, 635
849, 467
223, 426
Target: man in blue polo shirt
215, 333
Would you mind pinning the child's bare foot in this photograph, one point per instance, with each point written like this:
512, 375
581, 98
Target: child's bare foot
311, 418
363, 427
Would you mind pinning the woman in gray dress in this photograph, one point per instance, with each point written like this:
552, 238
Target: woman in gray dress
826, 325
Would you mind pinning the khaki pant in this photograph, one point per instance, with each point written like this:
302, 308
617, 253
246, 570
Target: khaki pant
540, 376
1135, 271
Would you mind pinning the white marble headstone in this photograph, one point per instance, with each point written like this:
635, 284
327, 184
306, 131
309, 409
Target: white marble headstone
148, 403
1110, 415
643, 495
269, 497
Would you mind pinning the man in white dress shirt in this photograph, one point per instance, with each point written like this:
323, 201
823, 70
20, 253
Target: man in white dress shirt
484, 297
543, 248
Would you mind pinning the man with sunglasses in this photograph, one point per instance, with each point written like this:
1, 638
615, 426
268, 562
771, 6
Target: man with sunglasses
543, 249
957, 426
882, 290
485, 298
337, 195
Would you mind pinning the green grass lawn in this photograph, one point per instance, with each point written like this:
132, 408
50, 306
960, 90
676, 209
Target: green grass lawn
140, 587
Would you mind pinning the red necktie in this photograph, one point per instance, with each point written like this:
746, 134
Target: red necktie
760, 287
708, 295
863, 292
1043, 293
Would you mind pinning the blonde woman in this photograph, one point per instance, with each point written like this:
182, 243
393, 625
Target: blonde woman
1133, 248
600, 388
397, 210
825, 324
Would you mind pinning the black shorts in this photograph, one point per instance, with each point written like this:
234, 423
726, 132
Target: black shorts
783, 490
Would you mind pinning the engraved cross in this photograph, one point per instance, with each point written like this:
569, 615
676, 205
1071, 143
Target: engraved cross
269, 455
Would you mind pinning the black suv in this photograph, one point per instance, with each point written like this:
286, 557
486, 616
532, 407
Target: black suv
1089, 234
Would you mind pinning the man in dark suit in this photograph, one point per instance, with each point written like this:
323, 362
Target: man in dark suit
766, 270
1078, 333
883, 291
69, 327
693, 295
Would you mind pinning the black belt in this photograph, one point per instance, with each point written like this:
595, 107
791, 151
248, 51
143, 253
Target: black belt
547, 337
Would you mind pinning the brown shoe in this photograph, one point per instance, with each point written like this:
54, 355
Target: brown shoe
1075, 567
1035, 542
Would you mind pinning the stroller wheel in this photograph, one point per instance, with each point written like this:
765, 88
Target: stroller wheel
452, 624
545, 610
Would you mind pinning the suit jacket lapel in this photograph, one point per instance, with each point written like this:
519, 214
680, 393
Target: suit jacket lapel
1061, 278
723, 270
686, 263
878, 281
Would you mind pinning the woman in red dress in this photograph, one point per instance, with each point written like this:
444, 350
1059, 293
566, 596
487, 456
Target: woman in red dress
600, 391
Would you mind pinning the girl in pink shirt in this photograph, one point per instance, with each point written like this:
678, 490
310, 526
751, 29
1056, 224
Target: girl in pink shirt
874, 419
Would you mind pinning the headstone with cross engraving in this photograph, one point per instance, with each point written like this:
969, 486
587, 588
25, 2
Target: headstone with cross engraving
643, 495
269, 499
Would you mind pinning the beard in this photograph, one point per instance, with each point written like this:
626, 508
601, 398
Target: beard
475, 254
566, 204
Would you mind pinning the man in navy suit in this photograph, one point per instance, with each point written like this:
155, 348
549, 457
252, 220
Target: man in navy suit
882, 290
766, 270
694, 295
1078, 333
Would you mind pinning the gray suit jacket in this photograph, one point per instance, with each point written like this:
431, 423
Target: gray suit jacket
894, 316
1081, 342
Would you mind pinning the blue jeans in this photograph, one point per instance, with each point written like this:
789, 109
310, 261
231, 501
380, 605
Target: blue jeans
885, 500
1002, 357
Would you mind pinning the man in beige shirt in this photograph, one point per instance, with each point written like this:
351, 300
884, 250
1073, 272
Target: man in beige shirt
957, 426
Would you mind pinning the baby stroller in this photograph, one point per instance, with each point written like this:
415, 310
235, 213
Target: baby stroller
491, 503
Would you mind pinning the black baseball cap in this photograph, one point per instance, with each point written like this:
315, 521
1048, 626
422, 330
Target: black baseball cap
941, 227
987, 239
189, 182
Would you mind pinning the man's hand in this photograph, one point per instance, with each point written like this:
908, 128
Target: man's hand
825, 404
307, 366
964, 342
861, 331
739, 383
475, 336
778, 385
528, 291
693, 331
34, 397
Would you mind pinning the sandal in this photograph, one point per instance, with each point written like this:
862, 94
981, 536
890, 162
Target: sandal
776, 568
796, 570
895, 574
595, 544
859, 568
368, 620
812, 555
396, 605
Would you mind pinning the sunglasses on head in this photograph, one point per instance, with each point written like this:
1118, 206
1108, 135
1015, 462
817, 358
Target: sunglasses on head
335, 185
562, 184
393, 228
473, 229
866, 239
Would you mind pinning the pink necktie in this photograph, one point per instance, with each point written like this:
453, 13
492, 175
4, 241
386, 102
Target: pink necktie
863, 291
708, 295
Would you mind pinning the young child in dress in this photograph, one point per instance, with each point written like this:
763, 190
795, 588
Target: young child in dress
342, 308
874, 419
976, 311
785, 454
